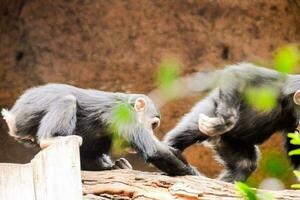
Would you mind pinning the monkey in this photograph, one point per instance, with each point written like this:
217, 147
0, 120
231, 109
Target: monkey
231, 126
54, 110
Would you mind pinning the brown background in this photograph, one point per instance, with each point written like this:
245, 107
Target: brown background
118, 45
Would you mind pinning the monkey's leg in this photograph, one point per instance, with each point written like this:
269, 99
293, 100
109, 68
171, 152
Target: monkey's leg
239, 159
60, 119
94, 154
104, 162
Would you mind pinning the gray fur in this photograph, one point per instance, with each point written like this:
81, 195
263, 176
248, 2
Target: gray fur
59, 110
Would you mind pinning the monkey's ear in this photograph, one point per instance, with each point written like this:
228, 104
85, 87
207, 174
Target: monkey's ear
297, 97
139, 104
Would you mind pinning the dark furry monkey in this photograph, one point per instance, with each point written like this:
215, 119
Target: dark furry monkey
52, 110
232, 126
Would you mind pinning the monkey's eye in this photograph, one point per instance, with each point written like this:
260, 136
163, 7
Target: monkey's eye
155, 123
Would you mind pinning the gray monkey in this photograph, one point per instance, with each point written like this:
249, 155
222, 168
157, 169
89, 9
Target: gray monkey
54, 110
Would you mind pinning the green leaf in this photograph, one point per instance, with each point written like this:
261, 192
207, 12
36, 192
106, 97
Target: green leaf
295, 186
274, 164
167, 73
295, 138
297, 173
261, 98
122, 117
245, 191
287, 58
294, 152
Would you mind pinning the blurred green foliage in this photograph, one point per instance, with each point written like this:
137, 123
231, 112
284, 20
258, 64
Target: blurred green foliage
249, 193
245, 191
261, 98
297, 174
295, 140
168, 71
274, 164
265, 98
122, 116
287, 58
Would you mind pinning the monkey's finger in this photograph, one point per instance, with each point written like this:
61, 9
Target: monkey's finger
205, 131
205, 127
122, 163
208, 129
126, 163
210, 121
115, 166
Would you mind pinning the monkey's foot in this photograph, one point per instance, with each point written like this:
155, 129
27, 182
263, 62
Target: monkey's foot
44, 143
122, 163
214, 126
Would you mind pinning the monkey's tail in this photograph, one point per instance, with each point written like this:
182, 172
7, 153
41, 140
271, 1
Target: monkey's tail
10, 121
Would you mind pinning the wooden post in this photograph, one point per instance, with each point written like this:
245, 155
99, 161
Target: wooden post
16, 182
53, 174
56, 171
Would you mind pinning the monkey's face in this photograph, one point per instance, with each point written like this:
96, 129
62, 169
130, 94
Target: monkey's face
148, 114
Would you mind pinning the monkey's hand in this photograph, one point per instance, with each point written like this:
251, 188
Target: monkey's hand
179, 155
215, 126
122, 163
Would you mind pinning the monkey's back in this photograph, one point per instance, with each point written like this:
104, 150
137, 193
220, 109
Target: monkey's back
24, 117
254, 128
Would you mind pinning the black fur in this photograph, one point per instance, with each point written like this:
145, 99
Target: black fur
234, 127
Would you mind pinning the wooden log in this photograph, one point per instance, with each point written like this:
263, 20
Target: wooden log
131, 184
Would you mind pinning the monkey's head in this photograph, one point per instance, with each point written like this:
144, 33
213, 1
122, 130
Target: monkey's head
147, 112
139, 131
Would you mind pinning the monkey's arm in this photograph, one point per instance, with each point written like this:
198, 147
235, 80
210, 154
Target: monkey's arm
160, 155
227, 100
172, 162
